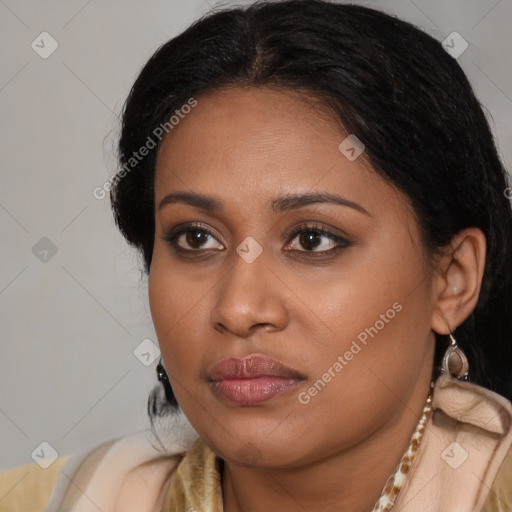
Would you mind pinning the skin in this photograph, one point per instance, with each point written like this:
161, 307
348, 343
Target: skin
244, 146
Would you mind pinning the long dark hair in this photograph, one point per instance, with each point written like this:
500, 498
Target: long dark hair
389, 83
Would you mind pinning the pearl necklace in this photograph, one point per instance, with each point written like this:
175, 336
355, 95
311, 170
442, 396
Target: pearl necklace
395, 481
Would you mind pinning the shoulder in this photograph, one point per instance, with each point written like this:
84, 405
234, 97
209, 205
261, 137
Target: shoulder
114, 475
28, 487
499, 498
122, 473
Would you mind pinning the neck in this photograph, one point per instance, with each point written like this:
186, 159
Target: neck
352, 479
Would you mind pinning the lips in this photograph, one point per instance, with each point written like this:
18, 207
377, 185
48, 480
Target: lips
252, 380
251, 367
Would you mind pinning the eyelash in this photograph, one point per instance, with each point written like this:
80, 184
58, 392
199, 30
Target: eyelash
318, 228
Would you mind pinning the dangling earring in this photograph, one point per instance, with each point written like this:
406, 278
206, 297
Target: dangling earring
160, 371
455, 361
164, 379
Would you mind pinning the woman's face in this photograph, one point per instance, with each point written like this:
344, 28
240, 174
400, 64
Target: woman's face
348, 310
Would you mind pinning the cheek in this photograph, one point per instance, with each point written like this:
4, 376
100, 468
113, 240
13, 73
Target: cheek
174, 292
380, 333
175, 304
377, 346
367, 286
378, 312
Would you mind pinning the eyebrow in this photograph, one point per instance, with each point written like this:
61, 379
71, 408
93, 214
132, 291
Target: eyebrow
279, 204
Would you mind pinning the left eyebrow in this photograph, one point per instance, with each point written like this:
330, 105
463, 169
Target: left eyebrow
293, 201
279, 204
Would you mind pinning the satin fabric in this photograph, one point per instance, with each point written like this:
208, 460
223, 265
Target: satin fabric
134, 474
463, 463
196, 485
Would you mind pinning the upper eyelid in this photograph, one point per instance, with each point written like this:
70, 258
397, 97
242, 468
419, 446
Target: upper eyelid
291, 232
316, 226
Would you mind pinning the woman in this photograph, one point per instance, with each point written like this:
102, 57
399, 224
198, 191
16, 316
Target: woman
323, 218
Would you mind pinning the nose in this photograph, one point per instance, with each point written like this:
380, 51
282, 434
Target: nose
250, 297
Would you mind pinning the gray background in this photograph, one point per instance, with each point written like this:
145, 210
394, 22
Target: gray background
72, 320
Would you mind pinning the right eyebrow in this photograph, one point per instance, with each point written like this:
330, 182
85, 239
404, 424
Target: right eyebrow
279, 204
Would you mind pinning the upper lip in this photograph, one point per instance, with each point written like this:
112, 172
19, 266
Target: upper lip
251, 366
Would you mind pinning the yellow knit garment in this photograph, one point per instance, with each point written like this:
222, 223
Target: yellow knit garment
196, 484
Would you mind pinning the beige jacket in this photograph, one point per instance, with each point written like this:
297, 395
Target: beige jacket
463, 464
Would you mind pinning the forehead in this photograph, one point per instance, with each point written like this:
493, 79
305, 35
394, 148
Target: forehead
248, 144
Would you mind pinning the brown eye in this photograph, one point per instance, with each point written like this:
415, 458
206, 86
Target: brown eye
310, 240
316, 240
196, 238
192, 238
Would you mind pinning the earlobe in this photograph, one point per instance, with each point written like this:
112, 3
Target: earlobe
458, 280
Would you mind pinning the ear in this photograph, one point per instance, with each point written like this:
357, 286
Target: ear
458, 279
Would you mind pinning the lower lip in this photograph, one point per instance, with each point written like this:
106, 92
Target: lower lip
255, 390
